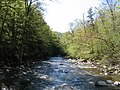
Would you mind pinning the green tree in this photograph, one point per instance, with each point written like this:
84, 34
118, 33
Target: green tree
24, 34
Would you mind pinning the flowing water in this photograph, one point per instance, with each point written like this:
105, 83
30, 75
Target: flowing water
57, 74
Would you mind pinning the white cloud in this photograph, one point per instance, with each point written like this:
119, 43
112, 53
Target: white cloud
59, 15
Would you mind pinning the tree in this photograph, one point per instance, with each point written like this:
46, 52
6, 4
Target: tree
98, 40
24, 34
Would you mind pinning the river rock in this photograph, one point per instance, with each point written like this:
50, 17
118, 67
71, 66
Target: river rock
24, 73
100, 83
105, 66
109, 81
92, 83
105, 73
117, 83
8, 70
63, 86
116, 72
84, 60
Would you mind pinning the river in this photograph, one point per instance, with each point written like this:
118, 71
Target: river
56, 73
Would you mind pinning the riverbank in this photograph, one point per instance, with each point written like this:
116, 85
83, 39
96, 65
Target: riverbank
105, 72
102, 68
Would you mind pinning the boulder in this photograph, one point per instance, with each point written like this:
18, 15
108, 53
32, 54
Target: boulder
117, 83
100, 83
109, 81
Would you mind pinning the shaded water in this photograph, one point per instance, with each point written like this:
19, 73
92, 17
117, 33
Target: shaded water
56, 74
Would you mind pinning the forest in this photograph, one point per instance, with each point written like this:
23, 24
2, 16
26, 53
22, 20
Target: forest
26, 37
24, 34
96, 38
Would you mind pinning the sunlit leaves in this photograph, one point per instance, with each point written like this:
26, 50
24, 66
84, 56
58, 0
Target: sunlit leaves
100, 43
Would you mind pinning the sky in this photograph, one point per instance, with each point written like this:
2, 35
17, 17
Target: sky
60, 14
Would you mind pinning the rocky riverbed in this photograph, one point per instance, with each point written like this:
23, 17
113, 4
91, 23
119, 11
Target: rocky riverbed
104, 72
57, 73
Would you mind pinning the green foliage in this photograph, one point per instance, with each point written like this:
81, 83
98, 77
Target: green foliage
24, 35
99, 40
